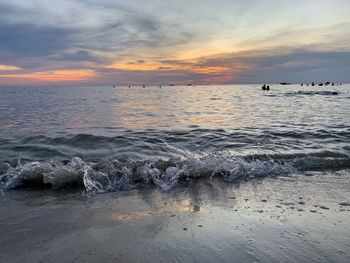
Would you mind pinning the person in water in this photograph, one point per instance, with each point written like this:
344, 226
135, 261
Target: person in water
264, 87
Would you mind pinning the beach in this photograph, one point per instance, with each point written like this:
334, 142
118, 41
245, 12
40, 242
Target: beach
177, 174
287, 219
174, 131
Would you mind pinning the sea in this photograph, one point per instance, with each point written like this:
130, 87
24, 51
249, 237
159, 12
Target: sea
103, 139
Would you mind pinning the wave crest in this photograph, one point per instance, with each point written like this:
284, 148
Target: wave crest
112, 175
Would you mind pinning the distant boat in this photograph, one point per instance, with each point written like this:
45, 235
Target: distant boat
285, 83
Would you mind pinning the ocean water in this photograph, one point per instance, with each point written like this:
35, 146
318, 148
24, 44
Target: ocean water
107, 139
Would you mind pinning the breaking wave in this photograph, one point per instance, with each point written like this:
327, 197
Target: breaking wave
112, 175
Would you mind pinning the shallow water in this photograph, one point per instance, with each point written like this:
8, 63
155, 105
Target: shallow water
124, 136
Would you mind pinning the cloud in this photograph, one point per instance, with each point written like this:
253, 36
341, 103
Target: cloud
269, 66
294, 65
173, 41
8, 68
32, 40
42, 37
80, 56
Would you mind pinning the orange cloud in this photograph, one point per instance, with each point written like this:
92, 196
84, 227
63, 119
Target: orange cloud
52, 76
154, 66
136, 66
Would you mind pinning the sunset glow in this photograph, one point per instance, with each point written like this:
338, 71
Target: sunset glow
153, 66
173, 42
51, 76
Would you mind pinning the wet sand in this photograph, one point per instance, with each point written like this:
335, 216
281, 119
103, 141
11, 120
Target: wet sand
288, 219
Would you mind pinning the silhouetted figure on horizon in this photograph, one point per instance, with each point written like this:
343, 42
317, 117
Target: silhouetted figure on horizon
332, 84
267, 87
263, 87
143, 86
313, 84
321, 84
302, 84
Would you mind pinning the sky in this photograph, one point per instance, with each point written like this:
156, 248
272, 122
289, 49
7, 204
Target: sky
131, 42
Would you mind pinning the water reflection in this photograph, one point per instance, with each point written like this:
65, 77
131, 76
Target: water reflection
41, 123
176, 108
76, 109
174, 206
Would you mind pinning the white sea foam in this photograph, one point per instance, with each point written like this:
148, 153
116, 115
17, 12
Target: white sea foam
111, 175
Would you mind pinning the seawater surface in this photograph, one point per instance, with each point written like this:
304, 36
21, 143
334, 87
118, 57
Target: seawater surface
106, 138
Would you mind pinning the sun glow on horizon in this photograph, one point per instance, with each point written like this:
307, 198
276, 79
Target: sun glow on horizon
52, 76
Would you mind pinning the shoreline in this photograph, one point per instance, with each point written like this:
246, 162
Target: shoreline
285, 219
